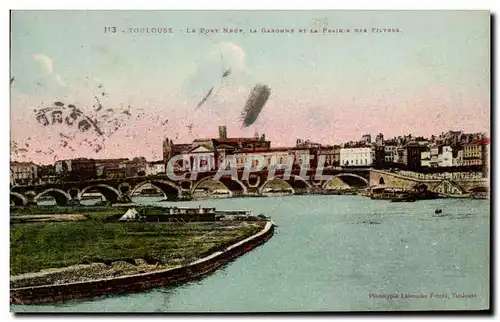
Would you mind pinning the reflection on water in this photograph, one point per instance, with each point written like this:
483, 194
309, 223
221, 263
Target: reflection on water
329, 254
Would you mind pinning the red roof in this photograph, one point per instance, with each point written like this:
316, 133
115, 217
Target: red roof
237, 140
246, 150
481, 141
277, 149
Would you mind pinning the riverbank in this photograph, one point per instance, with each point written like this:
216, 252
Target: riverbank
55, 250
138, 282
406, 242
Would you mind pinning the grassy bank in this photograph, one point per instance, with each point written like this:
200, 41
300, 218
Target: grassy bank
136, 246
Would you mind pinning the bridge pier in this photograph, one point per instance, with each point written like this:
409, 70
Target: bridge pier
183, 195
74, 193
252, 191
30, 198
74, 202
124, 198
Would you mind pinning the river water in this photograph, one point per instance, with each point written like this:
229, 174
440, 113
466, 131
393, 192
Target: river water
328, 254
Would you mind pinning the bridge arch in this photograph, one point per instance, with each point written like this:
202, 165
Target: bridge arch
230, 183
351, 175
280, 177
261, 189
186, 185
110, 193
18, 199
253, 178
124, 188
61, 197
168, 188
30, 196
73, 193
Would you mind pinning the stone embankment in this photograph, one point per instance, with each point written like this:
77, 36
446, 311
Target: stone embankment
138, 282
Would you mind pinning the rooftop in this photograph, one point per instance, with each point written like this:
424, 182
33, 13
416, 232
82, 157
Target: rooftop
415, 145
236, 140
202, 140
205, 146
277, 149
22, 164
357, 146
111, 160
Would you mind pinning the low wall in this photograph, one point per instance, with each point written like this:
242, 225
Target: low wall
139, 282
395, 179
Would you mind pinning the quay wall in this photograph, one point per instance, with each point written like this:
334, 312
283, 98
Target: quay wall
398, 180
139, 282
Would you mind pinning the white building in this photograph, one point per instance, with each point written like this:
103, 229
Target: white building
458, 161
199, 159
434, 157
58, 166
425, 159
155, 167
399, 154
445, 158
389, 153
353, 157
23, 172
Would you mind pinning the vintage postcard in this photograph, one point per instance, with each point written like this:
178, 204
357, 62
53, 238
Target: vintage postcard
249, 161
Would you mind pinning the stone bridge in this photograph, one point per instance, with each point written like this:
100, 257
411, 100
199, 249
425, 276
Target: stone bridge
442, 186
185, 185
254, 183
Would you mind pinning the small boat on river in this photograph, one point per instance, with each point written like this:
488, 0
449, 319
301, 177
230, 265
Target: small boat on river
398, 194
385, 193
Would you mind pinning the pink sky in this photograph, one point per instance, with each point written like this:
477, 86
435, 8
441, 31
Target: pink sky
284, 119
431, 77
